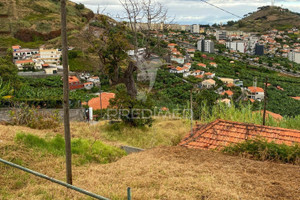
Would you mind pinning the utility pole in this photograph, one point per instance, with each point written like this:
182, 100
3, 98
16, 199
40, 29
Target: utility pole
66, 91
265, 101
191, 112
100, 100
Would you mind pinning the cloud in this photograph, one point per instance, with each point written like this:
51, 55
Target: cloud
196, 11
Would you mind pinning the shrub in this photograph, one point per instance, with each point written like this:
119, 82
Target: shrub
79, 6
86, 150
260, 149
33, 118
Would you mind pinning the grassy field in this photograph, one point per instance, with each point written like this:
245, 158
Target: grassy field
163, 172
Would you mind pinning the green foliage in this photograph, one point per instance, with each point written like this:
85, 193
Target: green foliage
278, 101
260, 149
132, 111
5, 88
204, 102
33, 118
86, 151
170, 89
8, 71
79, 6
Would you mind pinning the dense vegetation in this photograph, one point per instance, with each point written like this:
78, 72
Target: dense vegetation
84, 151
278, 101
260, 149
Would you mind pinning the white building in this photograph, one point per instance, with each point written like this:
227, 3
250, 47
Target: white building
206, 46
239, 46
221, 35
50, 56
179, 60
294, 56
195, 28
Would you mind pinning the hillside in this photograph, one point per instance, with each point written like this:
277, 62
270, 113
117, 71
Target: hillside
159, 173
267, 18
32, 20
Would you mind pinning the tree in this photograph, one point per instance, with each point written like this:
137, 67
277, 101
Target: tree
8, 71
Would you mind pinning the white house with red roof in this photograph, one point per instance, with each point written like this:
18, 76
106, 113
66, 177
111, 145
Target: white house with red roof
256, 93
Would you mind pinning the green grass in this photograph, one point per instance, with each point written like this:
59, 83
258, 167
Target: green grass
8, 42
260, 149
80, 64
245, 114
86, 151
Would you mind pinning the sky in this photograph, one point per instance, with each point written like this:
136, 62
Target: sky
195, 11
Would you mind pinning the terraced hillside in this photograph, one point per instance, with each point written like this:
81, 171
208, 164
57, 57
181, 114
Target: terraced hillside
40, 18
267, 18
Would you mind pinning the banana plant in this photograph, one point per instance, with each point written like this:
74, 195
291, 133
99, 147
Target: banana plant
5, 88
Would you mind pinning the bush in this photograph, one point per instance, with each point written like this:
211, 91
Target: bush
87, 151
260, 149
79, 6
33, 118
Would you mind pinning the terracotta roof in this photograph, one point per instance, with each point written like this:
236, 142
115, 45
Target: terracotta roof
199, 76
201, 65
269, 113
208, 73
255, 89
172, 45
73, 79
296, 98
105, 97
221, 133
230, 85
252, 100
24, 61
228, 92
16, 47
164, 109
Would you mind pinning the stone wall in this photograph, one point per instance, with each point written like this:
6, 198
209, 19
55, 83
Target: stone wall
75, 114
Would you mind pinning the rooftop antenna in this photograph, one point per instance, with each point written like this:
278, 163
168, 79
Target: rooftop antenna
98, 10
255, 82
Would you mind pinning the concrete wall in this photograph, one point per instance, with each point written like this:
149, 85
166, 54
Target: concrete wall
75, 114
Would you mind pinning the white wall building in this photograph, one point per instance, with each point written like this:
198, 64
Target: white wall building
195, 28
294, 56
50, 56
206, 46
239, 46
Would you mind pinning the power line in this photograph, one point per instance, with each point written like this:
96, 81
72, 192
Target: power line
204, 1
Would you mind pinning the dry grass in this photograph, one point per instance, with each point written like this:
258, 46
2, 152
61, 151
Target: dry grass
159, 173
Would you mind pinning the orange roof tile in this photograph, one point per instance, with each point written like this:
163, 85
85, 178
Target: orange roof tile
228, 92
230, 85
16, 47
269, 113
201, 65
73, 79
24, 61
296, 98
222, 133
208, 73
255, 89
172, 45
199, 76
95, 102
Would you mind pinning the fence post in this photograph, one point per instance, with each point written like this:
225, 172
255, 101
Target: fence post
128, 193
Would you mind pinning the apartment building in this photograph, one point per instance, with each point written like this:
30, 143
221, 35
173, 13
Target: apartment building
294, 56
206, 46
50, 56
